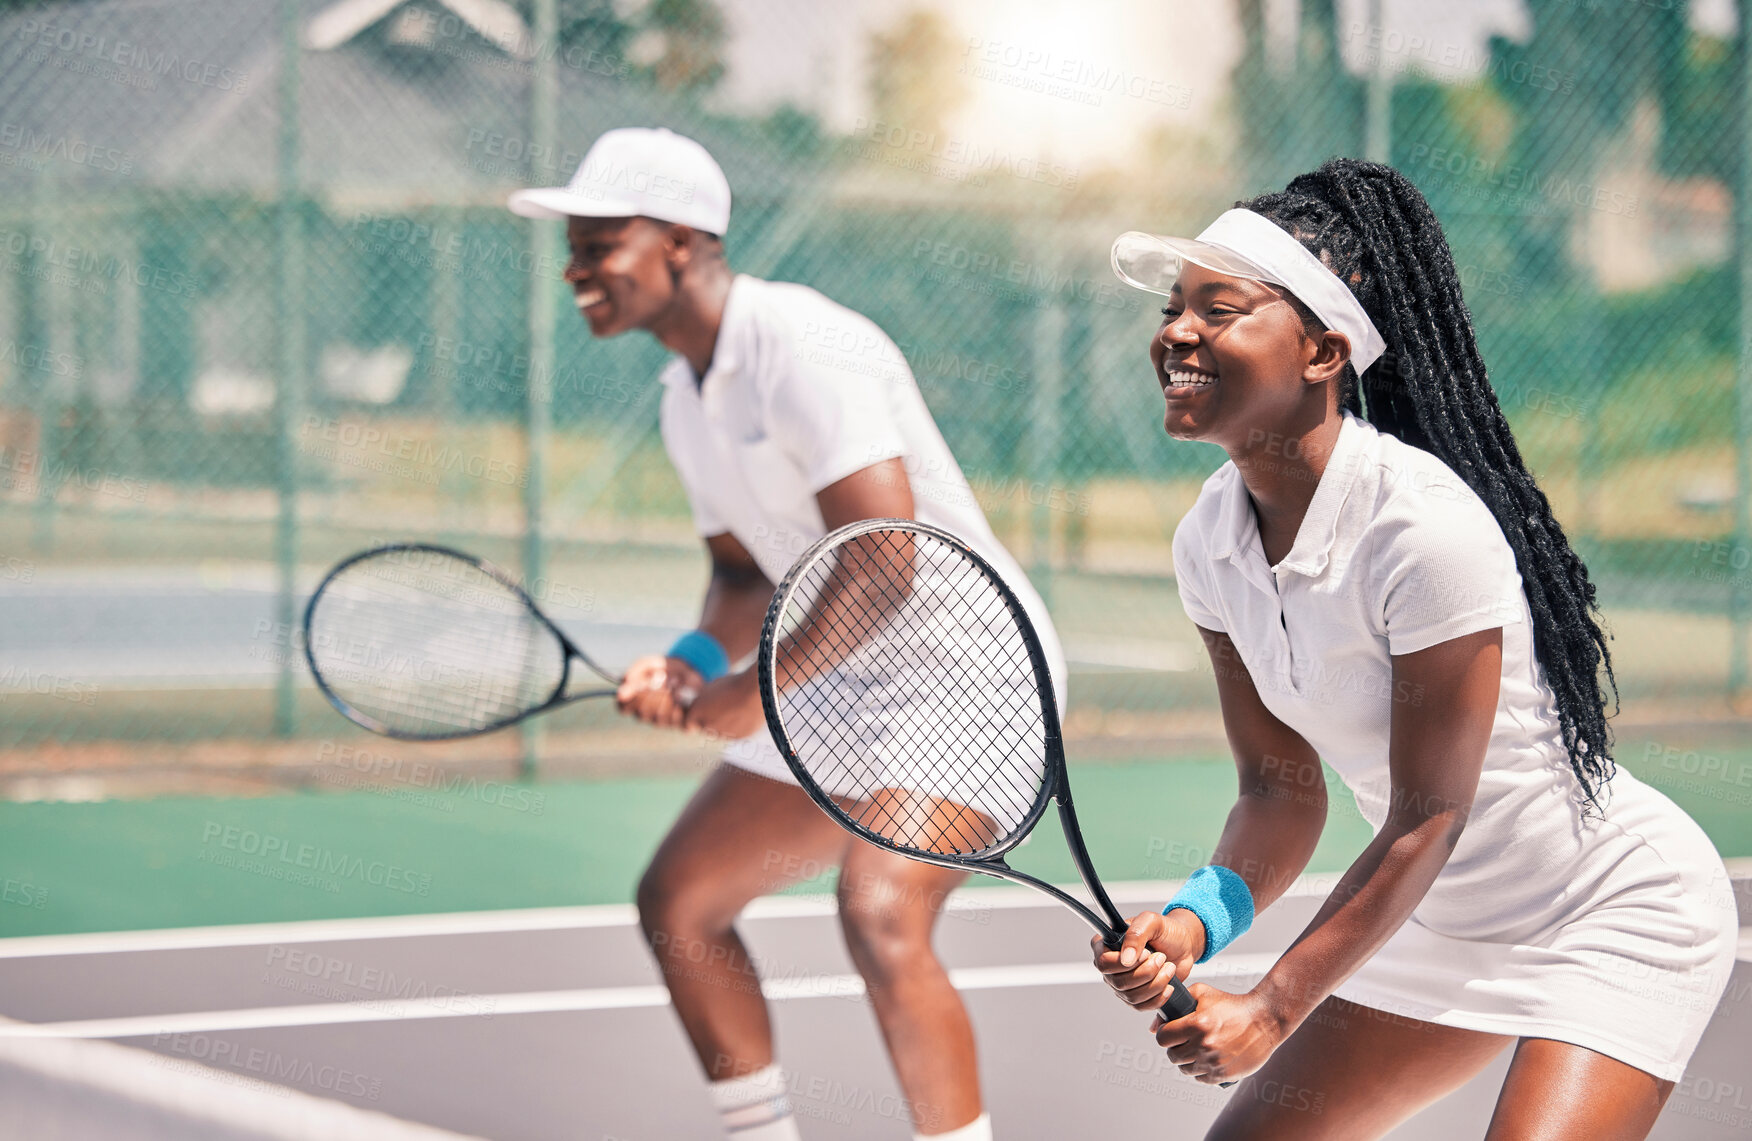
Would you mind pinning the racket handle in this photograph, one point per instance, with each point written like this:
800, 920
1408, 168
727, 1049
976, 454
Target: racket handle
1179, 1004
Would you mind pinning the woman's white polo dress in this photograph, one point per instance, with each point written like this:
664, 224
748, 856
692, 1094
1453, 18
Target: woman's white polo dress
1614, 931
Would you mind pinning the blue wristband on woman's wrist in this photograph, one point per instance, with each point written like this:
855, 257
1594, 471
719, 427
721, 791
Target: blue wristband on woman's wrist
702, 651
1222, 902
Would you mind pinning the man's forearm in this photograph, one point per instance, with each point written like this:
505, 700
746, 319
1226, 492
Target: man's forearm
733, 611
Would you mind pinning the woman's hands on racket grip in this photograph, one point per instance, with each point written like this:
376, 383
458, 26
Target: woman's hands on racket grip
1156, 950
1225, 1039
658, 690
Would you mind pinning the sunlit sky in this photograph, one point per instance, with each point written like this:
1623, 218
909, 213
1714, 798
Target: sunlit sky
1111, 68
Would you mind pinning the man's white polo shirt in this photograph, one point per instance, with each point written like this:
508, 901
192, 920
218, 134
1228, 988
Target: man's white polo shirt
801, 393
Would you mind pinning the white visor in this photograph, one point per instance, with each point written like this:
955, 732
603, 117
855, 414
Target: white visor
1241, 243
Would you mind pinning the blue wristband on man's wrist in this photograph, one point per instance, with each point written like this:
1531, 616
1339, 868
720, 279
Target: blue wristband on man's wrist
702, 651
1222, 902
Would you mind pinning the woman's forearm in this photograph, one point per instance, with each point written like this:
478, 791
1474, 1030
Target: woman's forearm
1376, 896
1270, 836
1436, 753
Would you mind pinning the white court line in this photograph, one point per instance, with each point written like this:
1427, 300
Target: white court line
999, 898
535, 919
557, 1001
318, 931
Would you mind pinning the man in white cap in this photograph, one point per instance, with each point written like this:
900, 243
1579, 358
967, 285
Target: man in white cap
786, 416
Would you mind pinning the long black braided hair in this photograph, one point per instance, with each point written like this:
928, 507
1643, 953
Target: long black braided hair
1372, 228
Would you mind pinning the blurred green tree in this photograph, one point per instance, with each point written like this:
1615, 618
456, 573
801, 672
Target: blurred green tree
592, 25
1574, 84
913, 76
689, 37
1291, 115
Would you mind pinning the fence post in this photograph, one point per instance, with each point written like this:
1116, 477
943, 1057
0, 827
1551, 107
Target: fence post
445, 317
538, 405
290, 326
54, 398
1740, 596
1045, 440
1739, 605
128, 403
1378, 117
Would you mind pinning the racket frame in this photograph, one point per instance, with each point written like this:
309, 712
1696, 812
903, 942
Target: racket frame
1109, 924
1057, 786
502, 577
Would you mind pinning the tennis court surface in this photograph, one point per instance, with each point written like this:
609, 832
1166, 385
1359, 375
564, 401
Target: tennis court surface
536, 1023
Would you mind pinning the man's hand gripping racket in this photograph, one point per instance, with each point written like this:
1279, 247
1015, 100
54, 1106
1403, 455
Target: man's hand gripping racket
907, 689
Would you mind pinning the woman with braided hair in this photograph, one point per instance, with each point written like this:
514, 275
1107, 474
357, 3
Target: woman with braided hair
1382, 585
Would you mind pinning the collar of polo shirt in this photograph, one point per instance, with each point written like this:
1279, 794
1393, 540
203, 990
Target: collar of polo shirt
726, 350
1319, 527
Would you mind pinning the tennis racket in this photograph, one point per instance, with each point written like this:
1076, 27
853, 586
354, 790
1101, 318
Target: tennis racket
907, 689
425, 643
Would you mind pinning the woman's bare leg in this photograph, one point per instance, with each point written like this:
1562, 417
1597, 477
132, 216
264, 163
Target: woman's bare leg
1350, 1073
1557, 1091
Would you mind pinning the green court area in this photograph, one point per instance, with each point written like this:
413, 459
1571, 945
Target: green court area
185, 861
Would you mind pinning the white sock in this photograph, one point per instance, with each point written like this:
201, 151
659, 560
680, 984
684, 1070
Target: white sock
755, 1108
979, 1129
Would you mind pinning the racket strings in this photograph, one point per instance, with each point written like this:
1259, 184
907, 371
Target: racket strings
428, 643
922, 713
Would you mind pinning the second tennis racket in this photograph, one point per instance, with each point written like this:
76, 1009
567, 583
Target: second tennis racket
426, 643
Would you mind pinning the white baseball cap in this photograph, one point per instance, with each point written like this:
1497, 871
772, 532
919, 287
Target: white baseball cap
638, 171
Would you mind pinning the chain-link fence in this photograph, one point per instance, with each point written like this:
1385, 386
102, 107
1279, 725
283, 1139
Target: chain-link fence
261, 304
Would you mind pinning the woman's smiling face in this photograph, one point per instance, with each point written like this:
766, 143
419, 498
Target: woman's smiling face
1230, 357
